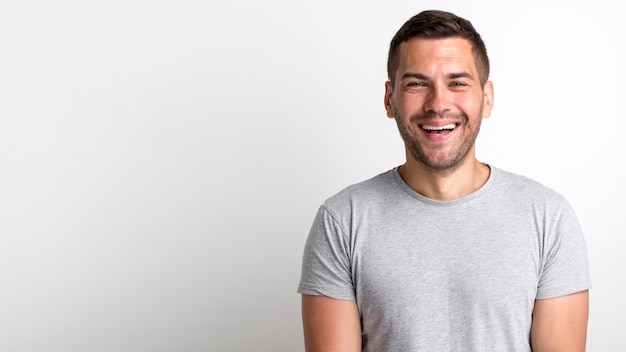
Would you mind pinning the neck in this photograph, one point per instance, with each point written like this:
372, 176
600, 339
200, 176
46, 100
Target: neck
448, 185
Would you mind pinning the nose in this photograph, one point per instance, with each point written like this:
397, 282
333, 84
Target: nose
437, 100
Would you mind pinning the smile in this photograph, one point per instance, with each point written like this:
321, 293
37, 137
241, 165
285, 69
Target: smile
439, 129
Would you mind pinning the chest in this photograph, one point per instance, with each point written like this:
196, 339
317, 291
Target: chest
431, 263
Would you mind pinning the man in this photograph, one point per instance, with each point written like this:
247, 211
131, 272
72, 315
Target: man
444, 253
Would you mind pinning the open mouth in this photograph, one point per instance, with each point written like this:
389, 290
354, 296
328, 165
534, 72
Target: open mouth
439, 129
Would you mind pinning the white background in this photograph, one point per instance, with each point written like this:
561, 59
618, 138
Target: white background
161, 162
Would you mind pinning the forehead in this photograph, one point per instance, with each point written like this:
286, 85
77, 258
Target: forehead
425, 53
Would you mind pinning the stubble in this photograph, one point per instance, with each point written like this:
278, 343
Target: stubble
437, 159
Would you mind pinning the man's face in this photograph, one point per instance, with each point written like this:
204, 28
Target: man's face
438, 101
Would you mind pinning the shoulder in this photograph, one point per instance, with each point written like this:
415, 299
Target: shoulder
525, 188
520, 194
369, 192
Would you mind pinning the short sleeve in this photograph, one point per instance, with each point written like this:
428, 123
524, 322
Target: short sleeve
565, 268
326, 263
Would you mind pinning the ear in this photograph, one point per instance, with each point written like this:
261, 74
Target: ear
388, 96
487, 99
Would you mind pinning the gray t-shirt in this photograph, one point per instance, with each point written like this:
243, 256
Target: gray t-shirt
458, 275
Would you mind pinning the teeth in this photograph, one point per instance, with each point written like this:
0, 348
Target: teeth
439, 128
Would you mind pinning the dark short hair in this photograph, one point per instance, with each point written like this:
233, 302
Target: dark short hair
435, 24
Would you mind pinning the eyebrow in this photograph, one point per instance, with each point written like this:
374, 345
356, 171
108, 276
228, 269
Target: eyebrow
454, 75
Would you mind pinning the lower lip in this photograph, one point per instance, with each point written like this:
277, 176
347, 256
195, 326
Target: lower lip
439, 137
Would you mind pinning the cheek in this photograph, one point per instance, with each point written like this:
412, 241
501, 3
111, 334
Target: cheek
409, 104
470, 105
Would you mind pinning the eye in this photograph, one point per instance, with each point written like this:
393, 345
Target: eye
416, 84
458, 84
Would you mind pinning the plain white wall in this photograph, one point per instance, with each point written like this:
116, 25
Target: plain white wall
162, 161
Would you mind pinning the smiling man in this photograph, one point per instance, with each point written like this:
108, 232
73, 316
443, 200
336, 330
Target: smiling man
444, 253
